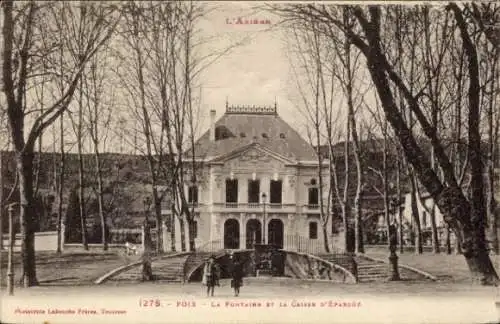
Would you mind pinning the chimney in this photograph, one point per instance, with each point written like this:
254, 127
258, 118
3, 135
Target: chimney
212, 125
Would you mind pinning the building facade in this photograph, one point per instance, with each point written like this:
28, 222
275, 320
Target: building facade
257, 181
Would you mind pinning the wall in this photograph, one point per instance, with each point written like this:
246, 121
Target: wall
44, 241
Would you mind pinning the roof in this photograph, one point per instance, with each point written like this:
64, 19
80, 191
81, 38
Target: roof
241, 126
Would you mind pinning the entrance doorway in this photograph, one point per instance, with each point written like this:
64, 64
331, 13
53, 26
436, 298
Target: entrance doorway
254, 233
275, 233
231, 234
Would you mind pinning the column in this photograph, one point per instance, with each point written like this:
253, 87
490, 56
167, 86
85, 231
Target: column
243, 188
243, 231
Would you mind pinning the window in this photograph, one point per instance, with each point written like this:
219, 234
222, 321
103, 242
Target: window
222, 132
282, 135
313, 230
264, 135
276, 188
313, 182
194, 229
193, 195
231, 190
424, 219
313, 197
253, 191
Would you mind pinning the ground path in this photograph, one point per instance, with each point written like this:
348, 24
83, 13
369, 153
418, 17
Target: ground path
396, 302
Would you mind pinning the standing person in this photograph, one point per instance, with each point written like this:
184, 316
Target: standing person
210, 275
236, 275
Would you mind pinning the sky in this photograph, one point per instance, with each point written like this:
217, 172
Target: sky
255, 72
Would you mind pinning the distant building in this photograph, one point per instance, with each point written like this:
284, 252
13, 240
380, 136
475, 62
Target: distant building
257, 183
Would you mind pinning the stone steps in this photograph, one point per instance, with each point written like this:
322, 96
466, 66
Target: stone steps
369, 270
165, 269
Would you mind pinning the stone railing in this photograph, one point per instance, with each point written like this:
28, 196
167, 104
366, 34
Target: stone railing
247, 109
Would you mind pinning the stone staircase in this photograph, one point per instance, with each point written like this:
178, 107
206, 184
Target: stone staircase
369, 270
376, 271
166, 268
346, 261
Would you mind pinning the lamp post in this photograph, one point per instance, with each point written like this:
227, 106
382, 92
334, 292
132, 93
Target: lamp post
264, 197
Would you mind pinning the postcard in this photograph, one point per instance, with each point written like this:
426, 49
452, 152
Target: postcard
249, 162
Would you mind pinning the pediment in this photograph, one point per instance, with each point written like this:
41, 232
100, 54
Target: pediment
254, 156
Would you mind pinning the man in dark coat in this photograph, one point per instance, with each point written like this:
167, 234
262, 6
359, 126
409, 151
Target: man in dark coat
236, 274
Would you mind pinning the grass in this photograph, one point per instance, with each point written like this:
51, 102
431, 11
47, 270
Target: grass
448, 267
69, 268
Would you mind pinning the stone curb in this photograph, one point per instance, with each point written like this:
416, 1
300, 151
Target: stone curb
404, 266
129, 266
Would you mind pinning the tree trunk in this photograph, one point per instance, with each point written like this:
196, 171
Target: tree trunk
61, 186
25, 173
81, 182
448, 240
81, 197
416, 216
183, 233
159, 221
358, 223
349, 239
399, 203
172, 228
491, 204
435, 237
346, 204
192, 243
102, 216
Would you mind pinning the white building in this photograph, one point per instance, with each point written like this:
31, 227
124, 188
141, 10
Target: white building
258, 183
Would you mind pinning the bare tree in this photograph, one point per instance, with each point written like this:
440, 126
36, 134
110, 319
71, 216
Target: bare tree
77, 126
99, 116
142, 31
345, 70
33, 21
466, 216
315, 76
